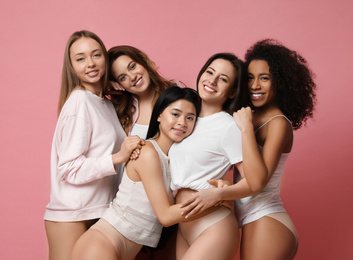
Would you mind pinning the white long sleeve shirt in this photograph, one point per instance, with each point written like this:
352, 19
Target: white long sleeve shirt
83, 178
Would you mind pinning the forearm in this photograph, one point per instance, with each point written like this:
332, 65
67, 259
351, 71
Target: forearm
236, 191
172, 215
254, 168
84, 170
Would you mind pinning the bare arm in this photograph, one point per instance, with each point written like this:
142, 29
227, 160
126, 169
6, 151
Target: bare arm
256, 169
253, 168
148, 169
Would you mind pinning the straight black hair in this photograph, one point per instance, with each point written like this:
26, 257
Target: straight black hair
168, 96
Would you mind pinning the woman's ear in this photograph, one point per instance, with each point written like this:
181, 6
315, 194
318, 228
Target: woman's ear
159, 119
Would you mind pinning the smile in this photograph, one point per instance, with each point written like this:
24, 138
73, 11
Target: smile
257, 95
138, 82
93, 73
209, 89
178, 131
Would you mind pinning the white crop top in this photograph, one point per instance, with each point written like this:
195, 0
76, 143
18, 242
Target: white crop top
208, 153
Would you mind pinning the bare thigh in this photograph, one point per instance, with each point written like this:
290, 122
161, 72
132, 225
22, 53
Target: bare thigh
62, 237
182, 245
103, 241
267, 238
218, 242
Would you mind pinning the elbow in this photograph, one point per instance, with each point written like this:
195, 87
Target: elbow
258, 184
165, 222
257, 187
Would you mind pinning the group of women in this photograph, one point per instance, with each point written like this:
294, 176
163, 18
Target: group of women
133, 152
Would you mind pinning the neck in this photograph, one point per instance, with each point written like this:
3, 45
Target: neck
94, 88
209, 109
164, 143
146, 97
269, 110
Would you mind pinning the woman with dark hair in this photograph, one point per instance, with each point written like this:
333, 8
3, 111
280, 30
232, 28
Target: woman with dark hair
88, 146
136, 86
134, 75
208, 154
282, 95
144, 202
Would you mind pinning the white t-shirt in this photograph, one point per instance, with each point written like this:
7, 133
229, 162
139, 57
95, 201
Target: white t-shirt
207, 154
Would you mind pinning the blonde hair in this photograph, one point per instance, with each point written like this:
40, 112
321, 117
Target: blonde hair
69, 79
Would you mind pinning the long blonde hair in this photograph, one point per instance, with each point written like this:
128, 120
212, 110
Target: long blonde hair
124, 103
69, 79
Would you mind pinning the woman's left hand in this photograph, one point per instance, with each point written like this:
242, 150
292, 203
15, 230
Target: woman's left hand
200, 201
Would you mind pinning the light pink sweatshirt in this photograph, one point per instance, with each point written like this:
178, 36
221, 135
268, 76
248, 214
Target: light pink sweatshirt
83, 178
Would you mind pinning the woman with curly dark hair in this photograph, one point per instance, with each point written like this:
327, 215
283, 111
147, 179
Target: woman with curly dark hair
282, 96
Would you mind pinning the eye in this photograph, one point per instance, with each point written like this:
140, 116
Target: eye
250, 77
264, 78
190, 118
209, 72
133, 66
97, 55
122, 78
224, 80
175, 114
79, 59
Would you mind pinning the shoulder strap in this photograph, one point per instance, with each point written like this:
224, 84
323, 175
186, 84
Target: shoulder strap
271, 119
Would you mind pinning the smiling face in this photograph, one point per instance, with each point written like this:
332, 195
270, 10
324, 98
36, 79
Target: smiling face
88, 62
177, 121
215, 84
260, 89
131, 75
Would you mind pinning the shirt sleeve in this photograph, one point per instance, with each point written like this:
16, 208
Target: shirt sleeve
73, 165
232, 145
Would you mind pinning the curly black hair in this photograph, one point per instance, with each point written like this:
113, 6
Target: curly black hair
292, 80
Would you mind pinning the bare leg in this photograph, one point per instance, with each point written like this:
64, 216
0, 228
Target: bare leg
182, 245
218, 242
103, 241
62, 237
267, 238
94, 246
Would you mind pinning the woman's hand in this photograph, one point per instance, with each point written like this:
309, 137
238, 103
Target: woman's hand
200, 201
114, 88
130, 149
243, 118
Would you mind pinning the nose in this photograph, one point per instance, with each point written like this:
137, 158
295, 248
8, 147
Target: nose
254, 84
182, 121
91, 62
213, 80
132, 76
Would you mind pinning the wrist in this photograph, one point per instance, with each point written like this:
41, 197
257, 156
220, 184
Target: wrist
116, 159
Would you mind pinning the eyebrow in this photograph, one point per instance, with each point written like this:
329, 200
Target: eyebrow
82, 53
215, 70
177, 109
261, 74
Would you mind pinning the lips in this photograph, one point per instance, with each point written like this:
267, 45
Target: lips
178, 131
209, 89
257, 95
138, 82
93, 73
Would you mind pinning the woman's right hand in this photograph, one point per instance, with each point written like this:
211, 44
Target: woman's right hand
243, 118
130, 149
114, 88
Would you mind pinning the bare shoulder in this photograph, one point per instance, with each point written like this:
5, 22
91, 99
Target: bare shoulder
279, 125
148, 155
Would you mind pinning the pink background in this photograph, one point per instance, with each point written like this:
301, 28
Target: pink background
179, 36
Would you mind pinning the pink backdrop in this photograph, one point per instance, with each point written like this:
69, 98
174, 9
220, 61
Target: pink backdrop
179, 36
